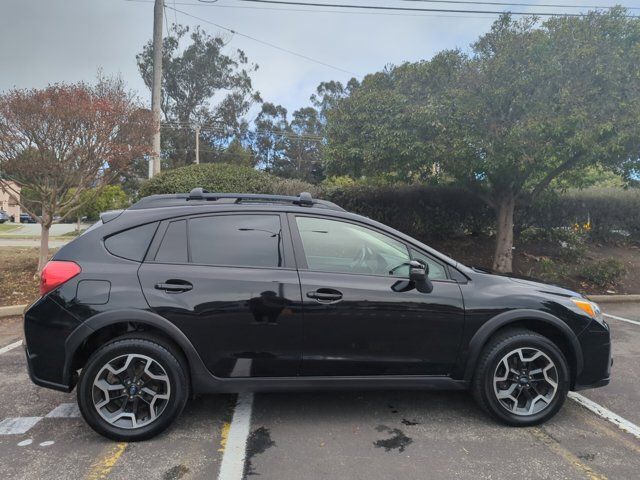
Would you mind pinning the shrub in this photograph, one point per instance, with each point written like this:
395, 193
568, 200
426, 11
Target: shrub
571, 242
223, 178
602, 213
438, 211
215, 177
428, 212
292, 186
551, 271
604, 273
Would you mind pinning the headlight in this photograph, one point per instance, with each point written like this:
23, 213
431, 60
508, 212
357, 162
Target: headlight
590, 308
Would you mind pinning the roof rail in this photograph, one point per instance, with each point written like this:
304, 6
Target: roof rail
198, 195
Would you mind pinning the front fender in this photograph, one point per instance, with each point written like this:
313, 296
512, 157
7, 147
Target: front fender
484, 333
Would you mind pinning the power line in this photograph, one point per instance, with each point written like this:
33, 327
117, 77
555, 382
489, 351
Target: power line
269, 44
434, 13
407, 9
316, 10
514, 4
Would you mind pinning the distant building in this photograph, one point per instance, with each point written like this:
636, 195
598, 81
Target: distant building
8, 202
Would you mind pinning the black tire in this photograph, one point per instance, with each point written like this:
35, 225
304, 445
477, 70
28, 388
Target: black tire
496, 349
175, 371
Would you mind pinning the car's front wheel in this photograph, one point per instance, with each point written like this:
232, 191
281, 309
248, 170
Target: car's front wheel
522, 378
132, 389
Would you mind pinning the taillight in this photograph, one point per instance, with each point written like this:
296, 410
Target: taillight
55, 273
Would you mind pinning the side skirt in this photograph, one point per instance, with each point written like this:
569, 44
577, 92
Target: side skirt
213, 384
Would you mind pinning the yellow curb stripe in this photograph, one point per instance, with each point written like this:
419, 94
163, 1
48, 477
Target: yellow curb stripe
611, 432
569, 457
101, 468
224, 434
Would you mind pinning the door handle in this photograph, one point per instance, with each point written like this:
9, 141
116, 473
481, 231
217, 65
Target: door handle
174, 286
325, 295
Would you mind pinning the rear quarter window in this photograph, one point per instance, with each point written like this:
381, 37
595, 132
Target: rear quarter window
133, 243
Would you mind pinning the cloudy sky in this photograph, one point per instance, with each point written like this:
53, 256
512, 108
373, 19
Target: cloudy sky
46, 41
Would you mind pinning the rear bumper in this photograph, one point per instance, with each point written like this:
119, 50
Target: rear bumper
42, 382
47, 325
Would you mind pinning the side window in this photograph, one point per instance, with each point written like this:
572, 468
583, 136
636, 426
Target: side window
335, 246
238, 240
131, 244
173, 248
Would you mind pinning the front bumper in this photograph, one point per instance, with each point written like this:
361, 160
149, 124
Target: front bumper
595, 341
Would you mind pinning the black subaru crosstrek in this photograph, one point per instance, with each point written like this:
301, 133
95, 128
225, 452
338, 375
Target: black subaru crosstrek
203, 292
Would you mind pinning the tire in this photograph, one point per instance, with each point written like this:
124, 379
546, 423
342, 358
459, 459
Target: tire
162, 387
537, 400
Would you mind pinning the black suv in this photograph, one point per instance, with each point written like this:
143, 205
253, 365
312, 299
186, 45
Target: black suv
204, 292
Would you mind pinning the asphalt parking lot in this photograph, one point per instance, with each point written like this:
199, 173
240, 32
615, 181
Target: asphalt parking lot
335, 435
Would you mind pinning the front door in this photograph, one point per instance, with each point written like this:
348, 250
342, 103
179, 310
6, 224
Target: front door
229, 282
361, 314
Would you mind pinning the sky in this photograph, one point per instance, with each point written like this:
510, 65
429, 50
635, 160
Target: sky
49, 41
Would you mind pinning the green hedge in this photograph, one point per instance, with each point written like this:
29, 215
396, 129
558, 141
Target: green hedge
424, 211
213, 177
436, 212
429, 212
600, 212
223, 178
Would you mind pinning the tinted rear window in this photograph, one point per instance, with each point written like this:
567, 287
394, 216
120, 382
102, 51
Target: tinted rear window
238, 240
131, 244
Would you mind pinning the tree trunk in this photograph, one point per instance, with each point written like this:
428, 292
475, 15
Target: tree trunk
78, 222
44, 246
503, 257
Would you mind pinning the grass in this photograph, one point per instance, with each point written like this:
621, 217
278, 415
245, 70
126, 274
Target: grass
8, 227
72, 233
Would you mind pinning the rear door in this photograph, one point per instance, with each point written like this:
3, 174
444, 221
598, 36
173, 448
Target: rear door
229, 282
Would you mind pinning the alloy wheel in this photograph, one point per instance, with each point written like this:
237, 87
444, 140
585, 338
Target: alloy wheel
131, 391
525, 381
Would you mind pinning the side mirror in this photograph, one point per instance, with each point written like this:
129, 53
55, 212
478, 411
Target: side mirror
419, 276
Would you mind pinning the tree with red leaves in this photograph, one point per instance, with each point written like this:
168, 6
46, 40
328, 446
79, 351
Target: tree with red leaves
62, 141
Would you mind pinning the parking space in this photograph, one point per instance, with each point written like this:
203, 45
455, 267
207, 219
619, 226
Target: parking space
355, 435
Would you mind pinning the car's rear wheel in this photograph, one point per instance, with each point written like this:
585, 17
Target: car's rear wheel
132, 389
522, 378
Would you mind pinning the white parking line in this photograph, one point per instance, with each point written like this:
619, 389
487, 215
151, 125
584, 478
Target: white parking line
11, 346
64, 410
607, 414
17, 425
233, 458
635, 322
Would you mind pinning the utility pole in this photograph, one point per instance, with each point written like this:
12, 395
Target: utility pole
197, 144
156, 90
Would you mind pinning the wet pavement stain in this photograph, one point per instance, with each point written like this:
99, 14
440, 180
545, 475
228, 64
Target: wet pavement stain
410, 423
398, 440
258, 442
393, 409
175, 473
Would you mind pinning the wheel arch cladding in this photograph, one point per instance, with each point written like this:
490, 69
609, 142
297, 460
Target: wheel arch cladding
106, 326
543, 323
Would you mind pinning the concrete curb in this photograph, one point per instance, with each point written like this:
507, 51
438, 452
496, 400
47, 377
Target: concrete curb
12, 310
614, 298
